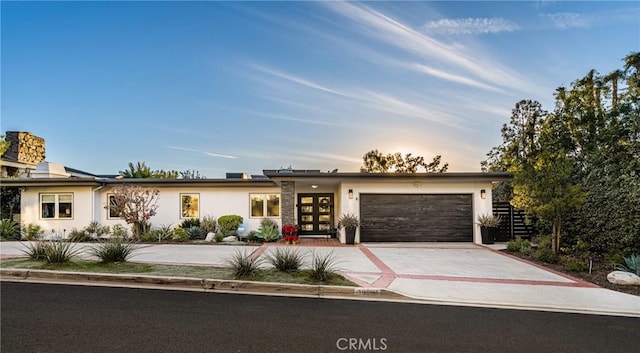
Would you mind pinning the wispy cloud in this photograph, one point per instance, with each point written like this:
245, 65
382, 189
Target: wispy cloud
330, 157
453, 77
384, 28
471, 26
565, 20
367, 99
299, 80
210, 154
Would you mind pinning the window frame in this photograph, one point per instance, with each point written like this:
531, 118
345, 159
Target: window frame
56, 205
265, 205
181, 211
109, 196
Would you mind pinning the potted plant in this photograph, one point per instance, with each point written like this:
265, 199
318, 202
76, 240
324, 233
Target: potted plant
488, 227
350, 223
290, 233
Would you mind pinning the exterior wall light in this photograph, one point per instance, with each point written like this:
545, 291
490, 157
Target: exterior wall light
483, 194
350, 194
314, 186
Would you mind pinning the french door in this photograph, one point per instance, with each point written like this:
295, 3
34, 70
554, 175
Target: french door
315, 213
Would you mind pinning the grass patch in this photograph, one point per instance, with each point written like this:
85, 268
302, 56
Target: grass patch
261, 275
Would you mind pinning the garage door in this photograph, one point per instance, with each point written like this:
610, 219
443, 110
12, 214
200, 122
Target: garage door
411, 217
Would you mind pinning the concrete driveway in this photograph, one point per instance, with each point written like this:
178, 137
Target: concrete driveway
457, 274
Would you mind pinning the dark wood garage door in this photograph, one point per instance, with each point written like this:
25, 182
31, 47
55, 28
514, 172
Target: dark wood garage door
411, 217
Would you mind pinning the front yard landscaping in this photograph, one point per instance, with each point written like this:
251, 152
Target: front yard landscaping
208, 272
574, 264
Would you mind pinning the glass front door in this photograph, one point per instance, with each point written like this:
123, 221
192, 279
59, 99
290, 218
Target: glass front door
315, 213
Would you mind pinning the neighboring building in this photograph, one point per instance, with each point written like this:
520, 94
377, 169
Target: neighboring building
392, 207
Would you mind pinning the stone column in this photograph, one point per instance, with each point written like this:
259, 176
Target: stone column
288, 196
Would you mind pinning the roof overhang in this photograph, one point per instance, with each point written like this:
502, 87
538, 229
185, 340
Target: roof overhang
328, 178
24, 182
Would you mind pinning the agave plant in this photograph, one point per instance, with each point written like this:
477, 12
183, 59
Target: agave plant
195, 233
9, 230
631, 264
268, 230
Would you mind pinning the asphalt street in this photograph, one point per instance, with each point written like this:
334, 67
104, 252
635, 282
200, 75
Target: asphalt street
65, 318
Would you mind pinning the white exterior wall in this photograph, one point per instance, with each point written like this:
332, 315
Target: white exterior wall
480, 206
214, 202
31, 213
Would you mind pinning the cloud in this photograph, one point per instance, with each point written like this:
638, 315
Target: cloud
210, 154
453, 77
564, 20
367, 99
299, 80
392, 32
471, 26
567, 20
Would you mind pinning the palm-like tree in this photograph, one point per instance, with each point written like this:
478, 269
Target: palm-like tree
140, 170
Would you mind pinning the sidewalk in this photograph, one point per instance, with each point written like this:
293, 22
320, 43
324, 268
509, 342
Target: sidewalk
441, 273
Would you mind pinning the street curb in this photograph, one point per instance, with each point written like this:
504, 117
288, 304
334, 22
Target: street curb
205, 284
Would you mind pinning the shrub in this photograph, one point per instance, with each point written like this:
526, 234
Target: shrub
148, 237
32, 232
59, 252
519, 245
285, 260
219, 236
243, 264
9, 230
631, 264
208, 224
164, 232
35, 250
543, 241
118, 231
323, 266
96, 229
77, 236
575, 264
190, 222
114, 250
195, 233
229, 224
546, 255
613, 258
252, 235
179, 234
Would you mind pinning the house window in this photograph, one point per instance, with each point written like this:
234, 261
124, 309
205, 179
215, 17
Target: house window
111, 211
265, 205
56, 206
189, 205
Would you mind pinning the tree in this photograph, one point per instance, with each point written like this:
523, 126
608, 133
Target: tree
136, 205
141, 170
579, 167
519, 138
4, 145
376, 162
191, 174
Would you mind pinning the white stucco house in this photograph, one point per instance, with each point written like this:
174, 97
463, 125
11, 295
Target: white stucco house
420, 207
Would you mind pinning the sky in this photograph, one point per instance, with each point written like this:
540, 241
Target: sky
244, 86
